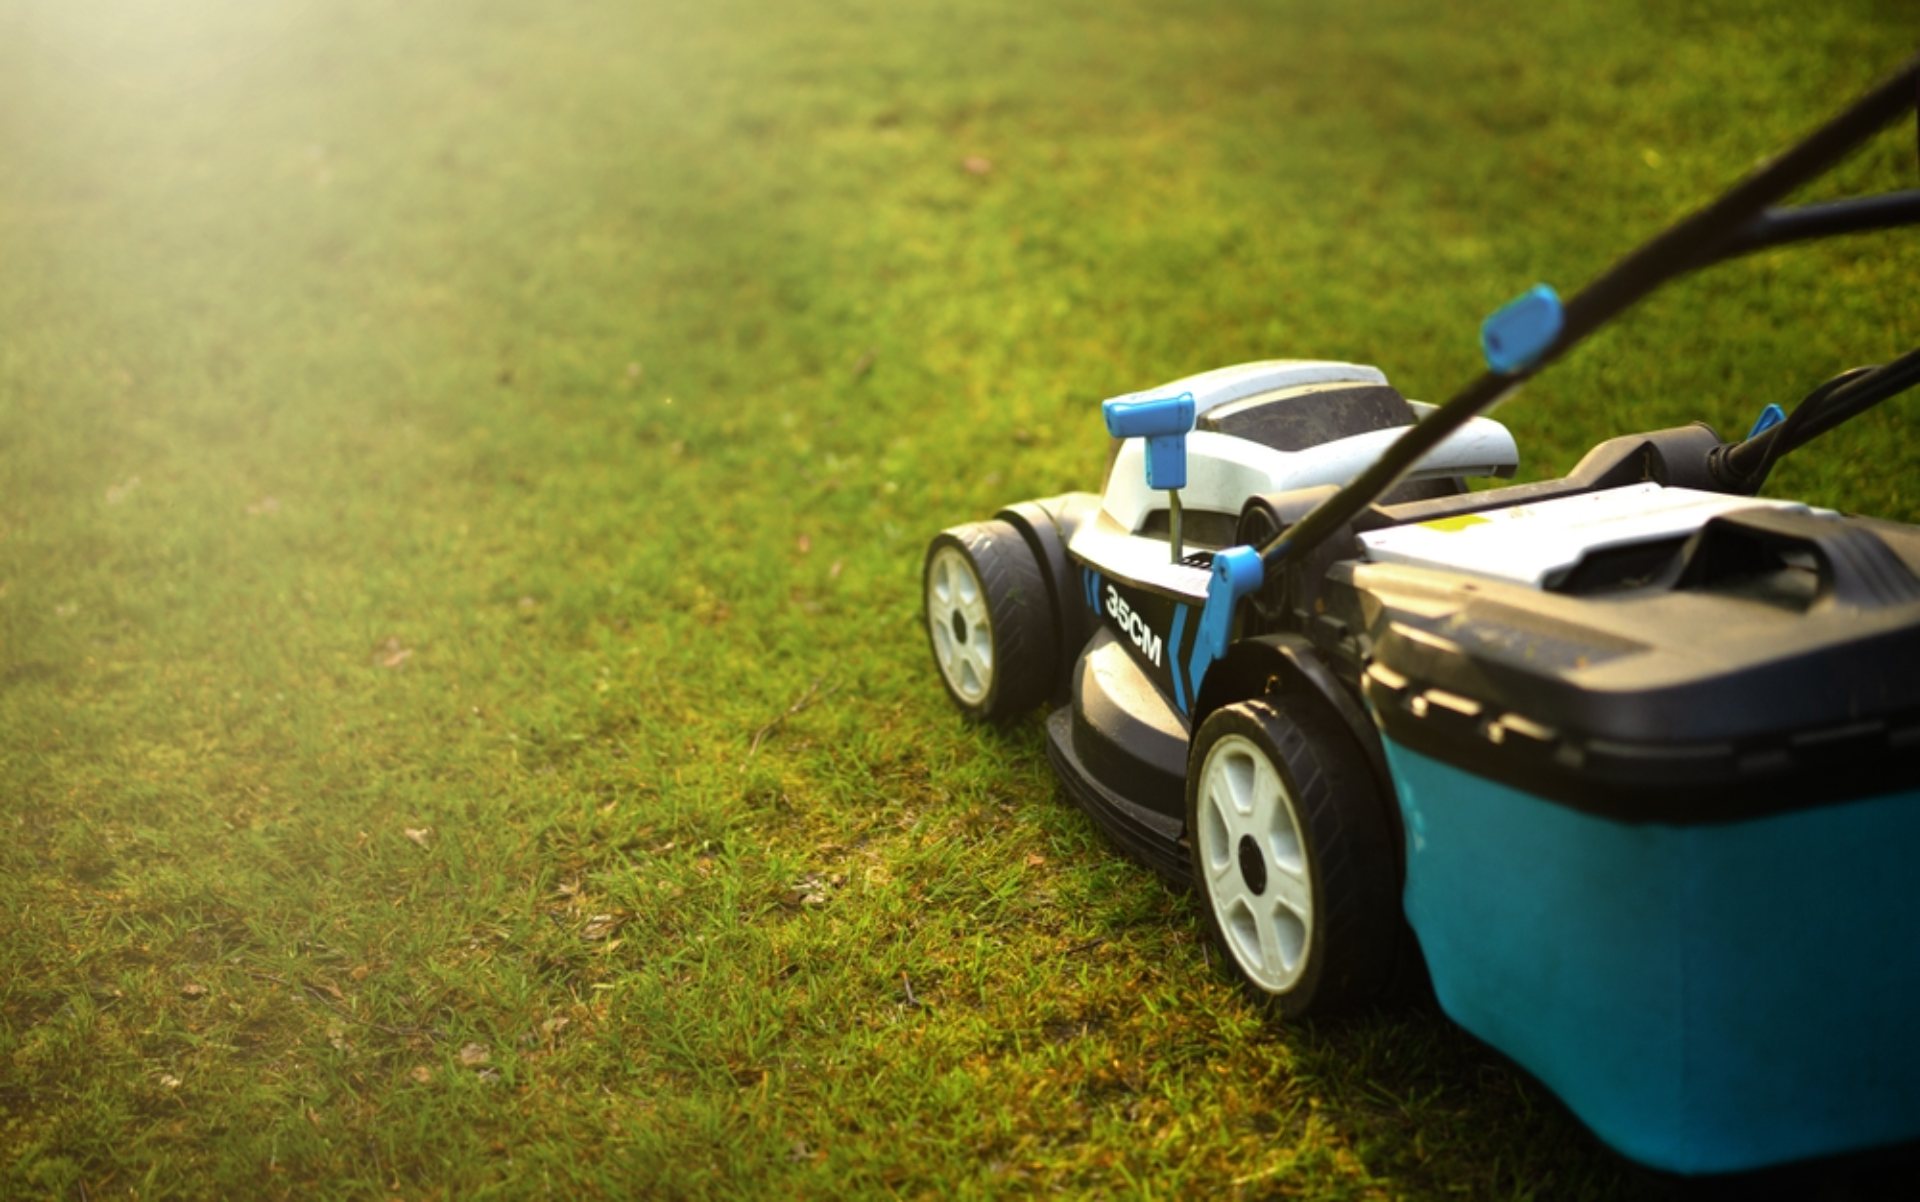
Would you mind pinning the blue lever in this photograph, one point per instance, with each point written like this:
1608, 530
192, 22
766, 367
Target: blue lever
1164, 423
1520, 331
1237, 571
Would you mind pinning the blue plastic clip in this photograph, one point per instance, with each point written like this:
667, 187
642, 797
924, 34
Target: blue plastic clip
1164, 424
1769, 417
1237, 571
1520, 331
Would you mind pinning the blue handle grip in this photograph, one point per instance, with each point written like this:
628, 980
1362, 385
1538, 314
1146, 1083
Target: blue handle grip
1149, 419
1520, 331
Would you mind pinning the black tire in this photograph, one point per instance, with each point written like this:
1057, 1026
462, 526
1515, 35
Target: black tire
996, 651
1296, 873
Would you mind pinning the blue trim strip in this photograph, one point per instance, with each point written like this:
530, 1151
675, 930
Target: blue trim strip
1173, 656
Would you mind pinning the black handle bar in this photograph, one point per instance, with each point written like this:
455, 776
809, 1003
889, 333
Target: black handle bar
1737, 223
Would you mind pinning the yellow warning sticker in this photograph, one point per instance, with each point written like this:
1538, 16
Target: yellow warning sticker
1451, 525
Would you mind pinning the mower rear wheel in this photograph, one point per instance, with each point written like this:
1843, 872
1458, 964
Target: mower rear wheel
989, 620
1293, 856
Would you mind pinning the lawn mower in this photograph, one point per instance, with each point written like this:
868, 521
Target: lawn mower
1625, 764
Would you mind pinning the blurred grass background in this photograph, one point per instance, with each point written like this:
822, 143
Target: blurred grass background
441, 444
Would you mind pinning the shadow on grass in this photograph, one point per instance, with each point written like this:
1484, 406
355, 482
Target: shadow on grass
1408, 1083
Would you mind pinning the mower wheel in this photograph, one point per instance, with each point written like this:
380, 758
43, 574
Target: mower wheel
989, 620
1293, 856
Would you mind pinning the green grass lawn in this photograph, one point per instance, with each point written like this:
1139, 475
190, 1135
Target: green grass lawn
464, 724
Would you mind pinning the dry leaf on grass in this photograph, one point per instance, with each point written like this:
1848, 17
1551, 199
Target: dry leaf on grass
421, 1074
391, 654
420, 834
473, 1055
600, 926
193, 989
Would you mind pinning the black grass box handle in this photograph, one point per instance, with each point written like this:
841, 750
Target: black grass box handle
1855, 568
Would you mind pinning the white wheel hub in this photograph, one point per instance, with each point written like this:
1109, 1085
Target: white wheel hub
958, 621
1254, 862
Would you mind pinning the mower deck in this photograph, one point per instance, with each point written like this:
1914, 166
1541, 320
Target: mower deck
1122, 753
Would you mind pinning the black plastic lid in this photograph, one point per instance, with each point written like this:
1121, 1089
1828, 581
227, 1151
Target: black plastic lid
1773, 664
1295, 419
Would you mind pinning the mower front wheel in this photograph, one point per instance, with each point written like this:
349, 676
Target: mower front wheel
989, 620
1293, 857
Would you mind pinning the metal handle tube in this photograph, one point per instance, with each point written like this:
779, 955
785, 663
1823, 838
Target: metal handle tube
1802, 223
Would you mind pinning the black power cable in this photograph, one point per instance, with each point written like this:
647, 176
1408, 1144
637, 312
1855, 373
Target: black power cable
1744, 466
